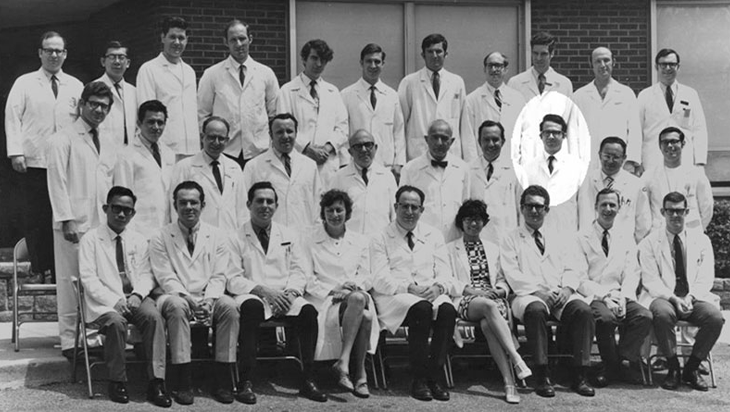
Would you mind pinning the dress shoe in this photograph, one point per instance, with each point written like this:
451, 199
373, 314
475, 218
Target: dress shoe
545, 388
437, 391
343, 380
420, 391
245, 393
702, 369
581, 387
694, 380
361, 389
157, 394
184, 397
510, 394
118, 392
671, 382
310, 391
223, 395
523, 372
601, 379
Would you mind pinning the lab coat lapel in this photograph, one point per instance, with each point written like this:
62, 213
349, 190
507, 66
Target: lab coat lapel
201, 242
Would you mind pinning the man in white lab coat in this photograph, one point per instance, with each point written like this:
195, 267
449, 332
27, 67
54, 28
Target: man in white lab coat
241, 90
80, 168
220, 176
541, 77
373, 106
429, 94
169, 79
114, 268
323, 128
268, 280
145, 166
122, 118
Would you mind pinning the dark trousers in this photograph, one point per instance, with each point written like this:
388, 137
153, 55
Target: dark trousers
252, 315
37, 218
704, 315
576, 329
425, 363
634, 328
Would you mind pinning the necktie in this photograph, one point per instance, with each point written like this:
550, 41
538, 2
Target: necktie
538, 241
373, 98
604, 242
436, 84
609, 182
217, 175
551, 159
313, 91
95, 139
191, 241
439, 163
54, 85
681, 287
669, 98
541, 83
156, 154
118, 88
241, 74
263, 236
126, 284
498, 98
365, 175
287, 163
409, 237
490, 170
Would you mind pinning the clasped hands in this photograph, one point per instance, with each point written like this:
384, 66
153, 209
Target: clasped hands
430, 293
318, 153
340, 293
554, 299
683, 305
280, 301
128, 306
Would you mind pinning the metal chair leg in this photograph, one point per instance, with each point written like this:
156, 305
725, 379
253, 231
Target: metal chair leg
712, 370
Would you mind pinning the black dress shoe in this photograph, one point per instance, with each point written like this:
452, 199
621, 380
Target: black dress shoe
157, 394
245, 393
702, 369
223, 395
437, 391
310, 391
420, 391
671, 382
694, 380
545, 388
601, 380
184, 397
118, 392
581, 387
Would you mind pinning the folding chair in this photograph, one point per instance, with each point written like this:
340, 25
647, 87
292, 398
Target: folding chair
399, 338
20, 255
280, 325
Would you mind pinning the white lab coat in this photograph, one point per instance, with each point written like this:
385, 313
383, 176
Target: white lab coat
372, 204
247, 108
421, 107
122, 113
445, 190
461, 268
688, 180
299, 194
318, 124
501, 193
526, 83
480, 106
385, 122
33, 114
158, 79
687, 115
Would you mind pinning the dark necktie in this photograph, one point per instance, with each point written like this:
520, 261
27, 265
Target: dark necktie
439, 163
609, 182
263, 236
490, 170
95, 139
287, 163
436, 84
191, 241
541, 83
118, 88
365, 175
551, 160
126, 284
241, 74
669, 98
156, 154
538, 241
313, 91
373, 98
498, 98
217, 175
409, 237
604, 242
681, 287
54, 85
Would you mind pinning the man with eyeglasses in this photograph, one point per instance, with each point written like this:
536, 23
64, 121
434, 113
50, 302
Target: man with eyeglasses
669, 103
114, 269
39, 104
634, 216
80, 168
369, 184
411, 287
220, 176
677, 271
494, 101
542, 270
122, 118
676, 176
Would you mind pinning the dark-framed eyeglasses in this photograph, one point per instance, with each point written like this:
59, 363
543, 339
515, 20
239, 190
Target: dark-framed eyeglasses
537, 207
119, 57
676, 212
50, 52
117, 209
98, 105
552, 133
367, 146
670, 65
216, 138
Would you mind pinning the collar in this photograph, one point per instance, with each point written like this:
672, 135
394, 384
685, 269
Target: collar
557, 156
306, 80
87, 127
682, 236
184, 230
531, 231
535, 74
674, 86
604, 176
364, 85
163, 60
431, 72
279, 154
49, 75
208, 160
403, 232
491, 89
234, 64
599, 229
112, 234
256, 229
445, 159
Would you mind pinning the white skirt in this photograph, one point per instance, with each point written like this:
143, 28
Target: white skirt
329, 339
392, 309
294, 309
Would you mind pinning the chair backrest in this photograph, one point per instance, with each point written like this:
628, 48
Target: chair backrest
20, 254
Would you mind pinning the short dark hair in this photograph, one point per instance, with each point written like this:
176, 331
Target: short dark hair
98, 89
114, 44
608, 191
233, 23
334, 195
261, 185
170, 22
543, 38
665, 53
321, 47
674, 197
434, 38
219, 119
535, 190
671, 129
48, 35
371, 48
471, 208
188, 185
613, 140
284, 116
408, 188
554, 118
118, 191
504, 57
154, 106
491, 123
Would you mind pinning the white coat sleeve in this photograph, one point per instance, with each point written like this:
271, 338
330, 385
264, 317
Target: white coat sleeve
14, 108
651, 278
59, 152
93, 287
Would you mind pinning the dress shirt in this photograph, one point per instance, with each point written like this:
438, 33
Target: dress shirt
526, 83
122, 114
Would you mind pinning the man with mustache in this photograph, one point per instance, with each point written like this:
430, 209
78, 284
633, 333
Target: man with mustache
120, 122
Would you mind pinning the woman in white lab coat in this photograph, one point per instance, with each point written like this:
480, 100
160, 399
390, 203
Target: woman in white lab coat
481, 291
338, 282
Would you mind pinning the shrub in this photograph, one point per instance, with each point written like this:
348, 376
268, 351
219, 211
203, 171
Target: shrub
719, 233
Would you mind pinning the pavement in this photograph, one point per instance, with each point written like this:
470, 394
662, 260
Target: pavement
38, 376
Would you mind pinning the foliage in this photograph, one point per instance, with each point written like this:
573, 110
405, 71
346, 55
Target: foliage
719, 233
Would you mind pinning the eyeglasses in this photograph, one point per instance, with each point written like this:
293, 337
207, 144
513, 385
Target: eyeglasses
553, 133
367, 146
49, 52
117, 209
676, 142
610, 158
120, 57
98, 105
215, 138
538, 208
676, 212
496, 66
474, 219
409, 208
668, 65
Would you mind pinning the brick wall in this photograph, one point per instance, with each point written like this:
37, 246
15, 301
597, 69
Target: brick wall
582, 25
